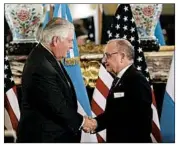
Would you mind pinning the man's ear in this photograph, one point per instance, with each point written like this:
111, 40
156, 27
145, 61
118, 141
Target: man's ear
54, 41
123, 55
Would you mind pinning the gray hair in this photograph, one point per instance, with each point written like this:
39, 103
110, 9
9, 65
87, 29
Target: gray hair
56, 27
124, 45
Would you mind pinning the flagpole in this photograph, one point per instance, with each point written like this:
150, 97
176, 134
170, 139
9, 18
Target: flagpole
98, 24
51, 12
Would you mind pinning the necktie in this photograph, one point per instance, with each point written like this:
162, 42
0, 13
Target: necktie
115, 82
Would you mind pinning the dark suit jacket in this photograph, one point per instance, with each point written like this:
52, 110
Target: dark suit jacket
129, 118
49, 104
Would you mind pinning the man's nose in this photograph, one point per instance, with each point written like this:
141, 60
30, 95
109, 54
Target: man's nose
103, 60
71, 46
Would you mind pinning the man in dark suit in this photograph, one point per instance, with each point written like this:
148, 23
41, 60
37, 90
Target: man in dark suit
49, 104
128, 114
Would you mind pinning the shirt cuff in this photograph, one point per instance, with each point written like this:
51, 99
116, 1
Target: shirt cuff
82, 123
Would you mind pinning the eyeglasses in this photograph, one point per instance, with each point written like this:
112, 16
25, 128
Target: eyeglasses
109, 55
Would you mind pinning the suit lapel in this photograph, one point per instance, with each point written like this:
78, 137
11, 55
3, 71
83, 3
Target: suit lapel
122, 79
126, 74
71, 84
50, 58
54, 63
60, 70
65, 73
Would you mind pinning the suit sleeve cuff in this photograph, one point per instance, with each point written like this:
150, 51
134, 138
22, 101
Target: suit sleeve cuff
82, 124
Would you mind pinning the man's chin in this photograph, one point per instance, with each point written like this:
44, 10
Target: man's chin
108, 69
60, 58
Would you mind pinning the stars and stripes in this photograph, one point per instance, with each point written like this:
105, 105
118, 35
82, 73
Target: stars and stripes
132, 29
139, 58
125, 18
91, 29
118, 17
117, 26
140, 50
124, 27
11, 111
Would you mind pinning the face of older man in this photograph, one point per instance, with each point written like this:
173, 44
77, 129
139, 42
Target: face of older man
62, 46
112, 57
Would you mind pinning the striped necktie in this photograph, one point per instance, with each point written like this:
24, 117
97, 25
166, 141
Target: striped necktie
115, 82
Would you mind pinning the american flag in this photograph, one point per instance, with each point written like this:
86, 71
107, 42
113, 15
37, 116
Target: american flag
91, 28
11, 106
124, 27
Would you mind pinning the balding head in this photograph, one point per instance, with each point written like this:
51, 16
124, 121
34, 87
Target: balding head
119, 53
123, 45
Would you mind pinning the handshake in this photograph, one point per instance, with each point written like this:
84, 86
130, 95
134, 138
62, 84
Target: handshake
89, 125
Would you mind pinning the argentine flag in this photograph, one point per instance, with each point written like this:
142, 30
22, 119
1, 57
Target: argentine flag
159, 34
167, 122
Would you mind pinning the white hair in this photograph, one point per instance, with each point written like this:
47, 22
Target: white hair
56, 27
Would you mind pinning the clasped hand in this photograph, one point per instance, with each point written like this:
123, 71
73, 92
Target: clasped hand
90, 125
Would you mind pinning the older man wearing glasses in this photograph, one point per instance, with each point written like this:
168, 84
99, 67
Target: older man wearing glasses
128, 113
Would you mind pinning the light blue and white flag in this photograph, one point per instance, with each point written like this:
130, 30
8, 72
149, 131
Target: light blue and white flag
159, 34
47, 15
167, 122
